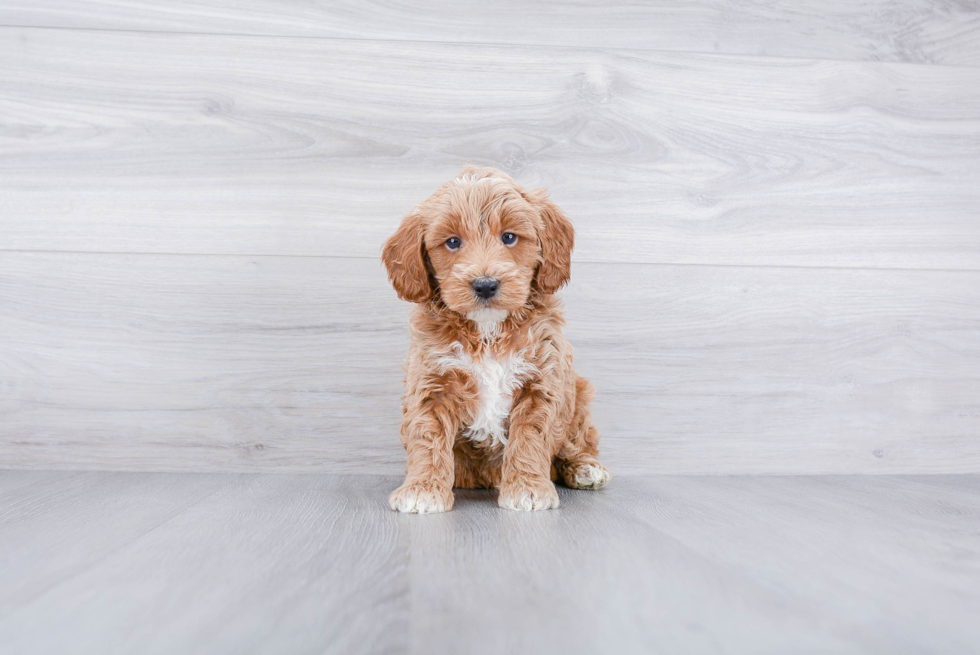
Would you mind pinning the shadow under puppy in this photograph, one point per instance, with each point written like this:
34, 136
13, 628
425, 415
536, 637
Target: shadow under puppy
491, 396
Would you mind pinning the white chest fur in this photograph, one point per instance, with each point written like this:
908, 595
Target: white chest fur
497, 379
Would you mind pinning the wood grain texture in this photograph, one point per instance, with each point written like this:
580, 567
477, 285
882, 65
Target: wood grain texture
149, 142
11, 481
318, 564
41, 523
259, 565
922, 31
266, 363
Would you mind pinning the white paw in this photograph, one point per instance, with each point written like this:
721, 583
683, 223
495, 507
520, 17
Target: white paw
527, 500
592, 476
411, 499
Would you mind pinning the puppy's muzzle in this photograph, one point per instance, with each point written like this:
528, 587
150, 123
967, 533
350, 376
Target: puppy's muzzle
486, 288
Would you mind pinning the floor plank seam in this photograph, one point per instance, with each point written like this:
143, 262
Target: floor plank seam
574, 261
490, 44
138, 537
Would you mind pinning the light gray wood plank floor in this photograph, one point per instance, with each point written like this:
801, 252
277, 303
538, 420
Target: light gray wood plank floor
221, 563
160, 362
928, 31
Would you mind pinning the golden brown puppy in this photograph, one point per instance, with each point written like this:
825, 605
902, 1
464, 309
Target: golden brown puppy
491, 397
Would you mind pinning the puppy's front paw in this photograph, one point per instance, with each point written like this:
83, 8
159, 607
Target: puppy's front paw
416, 498
528, 496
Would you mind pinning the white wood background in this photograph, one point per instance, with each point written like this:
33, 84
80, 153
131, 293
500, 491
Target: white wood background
777, 204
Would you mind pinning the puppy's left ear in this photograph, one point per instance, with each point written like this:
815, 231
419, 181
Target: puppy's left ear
556, 239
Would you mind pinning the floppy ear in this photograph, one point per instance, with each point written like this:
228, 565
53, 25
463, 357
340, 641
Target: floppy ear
404, 257
556, 238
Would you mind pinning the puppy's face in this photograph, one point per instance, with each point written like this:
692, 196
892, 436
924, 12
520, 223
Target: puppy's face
483, 244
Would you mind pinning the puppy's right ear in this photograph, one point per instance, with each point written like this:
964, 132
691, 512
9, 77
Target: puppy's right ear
404, 257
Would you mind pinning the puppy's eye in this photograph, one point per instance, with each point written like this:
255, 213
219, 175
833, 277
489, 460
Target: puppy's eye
453, 243
509, 238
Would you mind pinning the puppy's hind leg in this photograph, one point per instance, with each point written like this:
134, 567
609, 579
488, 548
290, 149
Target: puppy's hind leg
578, 460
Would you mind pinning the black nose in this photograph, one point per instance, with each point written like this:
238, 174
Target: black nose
486, 287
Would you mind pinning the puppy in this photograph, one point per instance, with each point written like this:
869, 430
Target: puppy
491, 397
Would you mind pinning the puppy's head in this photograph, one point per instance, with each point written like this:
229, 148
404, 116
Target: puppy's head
481, 243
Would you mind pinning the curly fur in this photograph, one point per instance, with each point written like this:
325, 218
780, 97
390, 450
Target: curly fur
491, 396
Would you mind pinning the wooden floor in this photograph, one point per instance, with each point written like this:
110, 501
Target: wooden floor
287, 563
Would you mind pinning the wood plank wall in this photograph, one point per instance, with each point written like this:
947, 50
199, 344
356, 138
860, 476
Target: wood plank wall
778, 215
